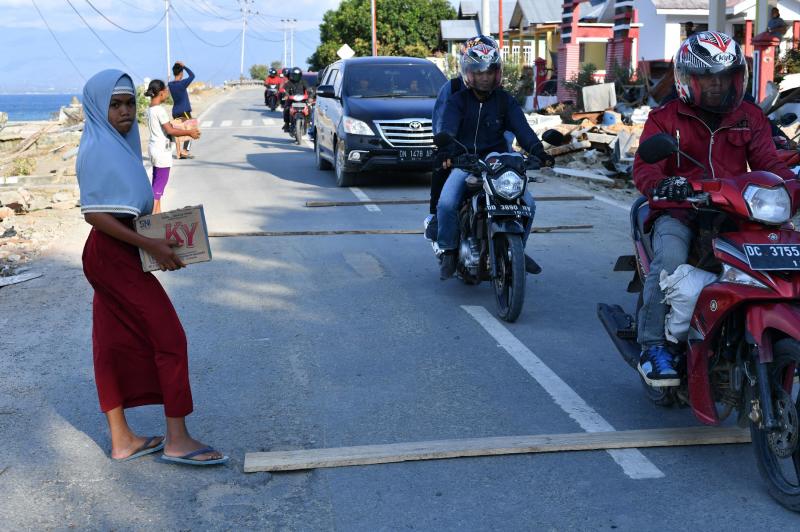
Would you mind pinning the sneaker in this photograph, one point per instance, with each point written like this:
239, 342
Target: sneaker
657, 368
448, 267
531, 266
285, 128
431, 227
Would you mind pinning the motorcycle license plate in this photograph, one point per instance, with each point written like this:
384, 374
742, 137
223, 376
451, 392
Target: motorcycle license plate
299, 105
512, 208
414, 155
773, 256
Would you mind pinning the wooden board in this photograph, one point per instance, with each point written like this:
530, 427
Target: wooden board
424, 201
544, 229
582, 173
16, 279
435, 450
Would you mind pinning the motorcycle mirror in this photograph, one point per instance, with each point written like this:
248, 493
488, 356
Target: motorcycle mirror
326, 91
442, 139
787, 119
657, 148
554, 137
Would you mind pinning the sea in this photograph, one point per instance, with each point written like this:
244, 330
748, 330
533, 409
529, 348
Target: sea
23, 107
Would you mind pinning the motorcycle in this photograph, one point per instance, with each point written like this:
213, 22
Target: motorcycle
743, 345
298, 116
271, 99
492, 220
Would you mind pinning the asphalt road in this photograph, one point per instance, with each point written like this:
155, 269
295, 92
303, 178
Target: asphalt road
312, 342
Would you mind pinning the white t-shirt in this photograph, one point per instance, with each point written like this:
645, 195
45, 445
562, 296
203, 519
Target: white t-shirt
159, 145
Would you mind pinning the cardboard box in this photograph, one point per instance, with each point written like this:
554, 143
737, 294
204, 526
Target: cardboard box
187, 226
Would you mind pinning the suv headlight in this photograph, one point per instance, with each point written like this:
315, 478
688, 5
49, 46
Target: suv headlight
509, 185
356, 127
768, 205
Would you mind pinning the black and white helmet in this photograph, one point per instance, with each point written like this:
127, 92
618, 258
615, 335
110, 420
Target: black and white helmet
295, 75
710, 53
480, 54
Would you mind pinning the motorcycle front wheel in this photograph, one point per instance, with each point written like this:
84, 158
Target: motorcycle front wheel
509, 284
299, 129
777, 452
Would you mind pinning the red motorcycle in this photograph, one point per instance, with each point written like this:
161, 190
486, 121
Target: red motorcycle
743, 346
299, 113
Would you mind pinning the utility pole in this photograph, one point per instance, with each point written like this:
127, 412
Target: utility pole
166, 18
245, 12
486, 23
374, 30
291, 33
500, 24
283, 22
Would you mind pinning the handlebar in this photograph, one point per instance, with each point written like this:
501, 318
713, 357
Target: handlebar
702, 198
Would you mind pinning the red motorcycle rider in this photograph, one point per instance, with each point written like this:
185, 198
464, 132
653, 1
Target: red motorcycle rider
714, 126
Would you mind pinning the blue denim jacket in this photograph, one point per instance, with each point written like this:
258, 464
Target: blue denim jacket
479, 127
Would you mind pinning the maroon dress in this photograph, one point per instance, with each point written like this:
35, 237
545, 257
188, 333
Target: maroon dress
140, 355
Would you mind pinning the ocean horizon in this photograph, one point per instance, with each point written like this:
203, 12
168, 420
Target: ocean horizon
33, 106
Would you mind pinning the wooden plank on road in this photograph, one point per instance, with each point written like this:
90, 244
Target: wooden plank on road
424, 201
222, 234
435, 450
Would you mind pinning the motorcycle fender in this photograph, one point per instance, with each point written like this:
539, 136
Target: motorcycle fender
762, 319
506, 226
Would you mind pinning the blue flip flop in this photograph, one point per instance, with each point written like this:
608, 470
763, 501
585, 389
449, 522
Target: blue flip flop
144, 449
186, 459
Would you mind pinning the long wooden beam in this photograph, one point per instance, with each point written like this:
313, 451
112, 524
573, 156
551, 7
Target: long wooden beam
218, 234
435, 450
424, 201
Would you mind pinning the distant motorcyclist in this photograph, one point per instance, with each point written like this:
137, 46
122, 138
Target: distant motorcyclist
272, 79
478, 116
713, 125
294, 86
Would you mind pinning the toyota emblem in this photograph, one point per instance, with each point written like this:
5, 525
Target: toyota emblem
773, 237
415, 125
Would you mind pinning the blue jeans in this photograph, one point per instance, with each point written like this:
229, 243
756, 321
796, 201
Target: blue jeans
671, 240
449, 203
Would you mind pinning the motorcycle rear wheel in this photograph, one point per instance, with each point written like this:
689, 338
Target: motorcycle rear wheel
509, 285
782, 475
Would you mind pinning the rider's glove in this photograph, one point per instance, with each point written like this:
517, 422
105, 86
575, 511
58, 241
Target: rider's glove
545, 159
675, 188
443, 154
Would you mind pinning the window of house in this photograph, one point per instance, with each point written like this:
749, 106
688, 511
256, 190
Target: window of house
593, 53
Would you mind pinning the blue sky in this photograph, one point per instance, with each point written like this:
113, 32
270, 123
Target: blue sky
32, 61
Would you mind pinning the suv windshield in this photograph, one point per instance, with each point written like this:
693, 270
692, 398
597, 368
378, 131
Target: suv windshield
394, 81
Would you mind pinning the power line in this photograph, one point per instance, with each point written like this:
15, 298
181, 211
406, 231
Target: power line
205, 13
213, 9
101, 40
151, 28
261, 38
172, 8
58, 42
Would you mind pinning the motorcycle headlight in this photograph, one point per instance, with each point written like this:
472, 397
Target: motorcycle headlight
734, 275
509, 185
356, 127
768, 205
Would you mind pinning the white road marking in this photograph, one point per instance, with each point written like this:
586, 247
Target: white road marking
363, 197
266, 121
226, 123
247, 122
207, 123
632, 461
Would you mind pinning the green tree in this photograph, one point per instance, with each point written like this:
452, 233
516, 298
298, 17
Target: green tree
404, 27
258, 71
277, 65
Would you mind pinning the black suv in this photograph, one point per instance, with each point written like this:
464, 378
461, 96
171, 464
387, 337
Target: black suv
374, 113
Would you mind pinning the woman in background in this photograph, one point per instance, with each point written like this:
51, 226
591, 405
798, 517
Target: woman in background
159, 146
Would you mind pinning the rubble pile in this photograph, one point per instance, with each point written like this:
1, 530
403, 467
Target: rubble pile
601, 144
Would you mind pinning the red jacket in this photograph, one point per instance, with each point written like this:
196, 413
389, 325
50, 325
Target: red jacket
743, 138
